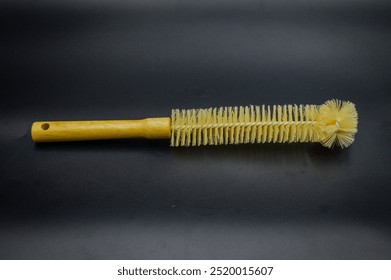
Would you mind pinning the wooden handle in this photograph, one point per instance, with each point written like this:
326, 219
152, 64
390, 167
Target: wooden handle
57, 131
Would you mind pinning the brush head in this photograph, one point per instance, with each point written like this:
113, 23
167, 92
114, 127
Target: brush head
241, 125
332, 124
337, 122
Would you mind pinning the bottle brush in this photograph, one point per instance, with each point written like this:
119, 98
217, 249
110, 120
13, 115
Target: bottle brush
333, 123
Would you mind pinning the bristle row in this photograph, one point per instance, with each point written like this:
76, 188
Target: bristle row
250, 124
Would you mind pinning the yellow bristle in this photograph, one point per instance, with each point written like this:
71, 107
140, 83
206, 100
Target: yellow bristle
338, 123
333, 123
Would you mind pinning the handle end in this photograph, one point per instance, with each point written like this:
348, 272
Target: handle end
39, 131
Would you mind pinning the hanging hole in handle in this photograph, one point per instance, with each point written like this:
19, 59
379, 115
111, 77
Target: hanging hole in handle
45, 126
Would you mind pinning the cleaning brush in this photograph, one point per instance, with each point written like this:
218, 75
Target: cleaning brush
333, 123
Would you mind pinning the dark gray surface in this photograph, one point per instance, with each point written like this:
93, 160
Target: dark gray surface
141, 199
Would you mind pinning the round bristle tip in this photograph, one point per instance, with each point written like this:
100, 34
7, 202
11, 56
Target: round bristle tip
338, 123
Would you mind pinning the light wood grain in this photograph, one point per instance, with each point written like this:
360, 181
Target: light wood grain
58, 131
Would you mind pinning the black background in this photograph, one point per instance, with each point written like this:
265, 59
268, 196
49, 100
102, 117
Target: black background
140, 199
